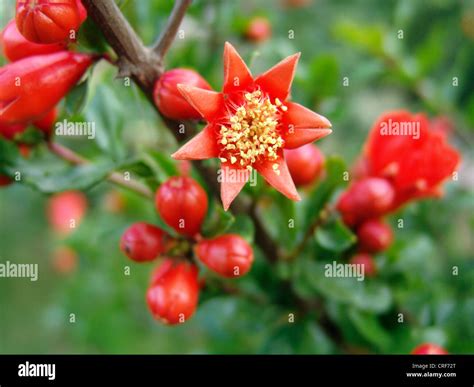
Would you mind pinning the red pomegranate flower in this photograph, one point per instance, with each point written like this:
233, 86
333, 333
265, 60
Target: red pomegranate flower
250, 123
404, 149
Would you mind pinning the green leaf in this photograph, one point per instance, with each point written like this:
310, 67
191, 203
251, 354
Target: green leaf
298, 337
47, 174
369, 38
162, 165
370, 328
104, 109
335, 168
281, 218
216, 321
90, 37
31, 136
244, 227
8, 152
323, 76
310, 279
335, 236
76, 98
372, 296
217, 221
78, 177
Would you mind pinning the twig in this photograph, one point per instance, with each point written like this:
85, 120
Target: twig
166, 38
66, 153
135, 60
114, 177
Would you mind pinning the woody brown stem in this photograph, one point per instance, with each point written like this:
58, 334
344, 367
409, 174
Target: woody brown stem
169, 32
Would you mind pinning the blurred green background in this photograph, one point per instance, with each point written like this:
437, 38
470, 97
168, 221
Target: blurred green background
354, 39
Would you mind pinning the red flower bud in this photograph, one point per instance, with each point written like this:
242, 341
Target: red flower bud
374, 236
45, 21
370, 269
305, 163
174, 292
182, 203
368, 198
228, 255
259, 29
66, 210
170, 101
429, 349
31, 87
16, 47
143, 242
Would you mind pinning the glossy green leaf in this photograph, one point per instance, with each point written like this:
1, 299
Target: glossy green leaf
335, 236
244, 227
76, 98
162, 165
67, 177
320, 196
217, 220
370, 328
305, 337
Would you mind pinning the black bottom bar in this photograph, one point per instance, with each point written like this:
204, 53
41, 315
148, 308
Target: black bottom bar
70, 370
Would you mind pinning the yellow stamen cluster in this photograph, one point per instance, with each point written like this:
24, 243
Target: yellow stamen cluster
251, 133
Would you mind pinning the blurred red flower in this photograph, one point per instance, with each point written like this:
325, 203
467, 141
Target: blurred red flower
403, 148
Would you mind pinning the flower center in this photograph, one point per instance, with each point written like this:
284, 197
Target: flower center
251, 134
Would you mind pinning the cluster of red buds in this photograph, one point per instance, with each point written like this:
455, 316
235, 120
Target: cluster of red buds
173, 292
41, 70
